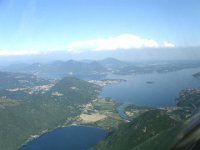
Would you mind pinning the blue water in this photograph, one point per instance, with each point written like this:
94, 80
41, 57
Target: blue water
163, 92
68, 138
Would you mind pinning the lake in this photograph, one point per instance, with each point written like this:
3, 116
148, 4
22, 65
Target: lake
68, 138
151, 89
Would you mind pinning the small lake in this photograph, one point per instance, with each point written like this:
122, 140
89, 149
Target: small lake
151, 89
68, 138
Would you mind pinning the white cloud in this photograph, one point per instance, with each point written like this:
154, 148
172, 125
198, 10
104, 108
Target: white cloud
18, 53
168, 45
124, 41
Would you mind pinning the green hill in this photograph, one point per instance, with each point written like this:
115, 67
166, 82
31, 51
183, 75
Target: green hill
19, 80
73, 91
33, 114
60, 69
152, 130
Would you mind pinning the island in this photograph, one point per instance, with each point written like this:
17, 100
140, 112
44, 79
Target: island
196, 75
150, 82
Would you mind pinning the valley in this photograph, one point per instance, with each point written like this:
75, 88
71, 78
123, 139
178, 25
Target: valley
31, 106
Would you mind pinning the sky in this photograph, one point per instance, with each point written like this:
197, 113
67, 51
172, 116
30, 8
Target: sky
32, 27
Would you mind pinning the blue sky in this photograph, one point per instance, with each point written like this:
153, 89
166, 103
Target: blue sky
42, 25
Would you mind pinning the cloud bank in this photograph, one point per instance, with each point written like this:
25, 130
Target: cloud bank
124, 41
121, 42
18, 53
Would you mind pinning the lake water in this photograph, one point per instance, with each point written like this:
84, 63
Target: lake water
152, 89
68, 138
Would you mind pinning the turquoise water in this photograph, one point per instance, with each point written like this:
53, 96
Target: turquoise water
162, 91
68, 138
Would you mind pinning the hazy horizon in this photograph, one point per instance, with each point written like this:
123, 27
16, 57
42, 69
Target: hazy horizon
127, 30
153, 54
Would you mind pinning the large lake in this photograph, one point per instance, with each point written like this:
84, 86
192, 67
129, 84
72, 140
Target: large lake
151, 89
68, 138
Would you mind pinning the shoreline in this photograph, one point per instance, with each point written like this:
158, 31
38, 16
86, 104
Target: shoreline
74, 122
